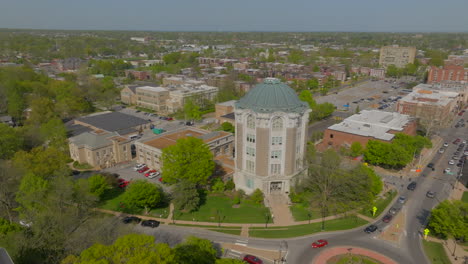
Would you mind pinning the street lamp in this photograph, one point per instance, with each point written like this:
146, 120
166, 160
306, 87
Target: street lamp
309, 215
267, 219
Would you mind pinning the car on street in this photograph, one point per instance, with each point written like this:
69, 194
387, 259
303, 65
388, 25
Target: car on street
447, 170
150, 223
251, 259
131, 219
402, 199
143, 169
149, 172
442, 150
319, 243
451, 162
370, 229
412, 186
430, 165
455, 157
430, 194
387, 218
446, 144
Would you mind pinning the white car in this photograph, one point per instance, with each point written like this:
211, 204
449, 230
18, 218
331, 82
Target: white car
445, 144
442, 150
138, 166
447, 170
465, 153
464, 141
154, 175
451, 162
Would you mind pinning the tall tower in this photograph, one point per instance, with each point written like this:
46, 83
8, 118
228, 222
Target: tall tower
271, 137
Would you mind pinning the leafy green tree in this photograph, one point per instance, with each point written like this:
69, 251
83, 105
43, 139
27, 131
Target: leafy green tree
218, 186
316, 68
189, 159
450, 219
295, 56
10, 141
54, 133
356, 149
10, 179
386, 154
306, 96
186, 197
7, 227
192, 110
195, 250
143, 194
228, 127
229, 261
98, 184
256, 196
42, 162
321, 111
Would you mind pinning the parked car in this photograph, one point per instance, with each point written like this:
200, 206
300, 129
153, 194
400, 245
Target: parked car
430, 165
251, 259
451, 162
154, 175
370, 229
124, 184
402, 199
387, 218
150, 223
143, 169
446, 144
131, 219
138, 166
149, 172
442, 150
170, 119
447, 170
412, 186
393, 211
430, 194
319, 243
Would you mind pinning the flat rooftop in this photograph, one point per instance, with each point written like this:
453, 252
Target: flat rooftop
228, 103
373, 123
152, 88
168, 139
114, 122
430, 97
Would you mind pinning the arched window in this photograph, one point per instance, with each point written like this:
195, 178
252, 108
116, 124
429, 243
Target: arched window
250, 121
277, 124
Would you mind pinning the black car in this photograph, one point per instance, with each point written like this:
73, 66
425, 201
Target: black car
131, 219
370, 229
430, 165
150, 223
412, 186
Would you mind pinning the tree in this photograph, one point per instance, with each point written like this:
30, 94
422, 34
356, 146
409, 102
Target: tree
228, 127
10, 141
10, 179
450, 219
42, 162
191, 110
229, 261
356, 149
186, 197
143, 194
257, 196
195, 250
386, 154
218, 186
189, 159
306, 96
98, 184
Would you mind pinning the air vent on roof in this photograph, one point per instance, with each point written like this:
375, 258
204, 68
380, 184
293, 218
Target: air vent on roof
366, 125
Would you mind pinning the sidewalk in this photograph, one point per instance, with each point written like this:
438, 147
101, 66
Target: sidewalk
262, 253
456, 256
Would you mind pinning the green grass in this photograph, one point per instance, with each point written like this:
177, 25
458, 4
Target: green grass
112, 201
82, 166
208, 212
299, 212
380, 203
144, 109
302, 230
227, 231
465, 197
435, 252
208, 226
352, 259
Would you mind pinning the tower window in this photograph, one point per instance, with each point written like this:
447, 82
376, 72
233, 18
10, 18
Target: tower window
250, 122
277, 124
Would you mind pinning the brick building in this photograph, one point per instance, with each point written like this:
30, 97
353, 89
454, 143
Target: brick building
452, 73
367, 125
138, 75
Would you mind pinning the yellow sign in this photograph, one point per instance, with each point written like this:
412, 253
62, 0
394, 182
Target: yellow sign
374, 210
426, 232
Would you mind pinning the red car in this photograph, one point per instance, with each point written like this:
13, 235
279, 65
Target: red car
149, 172
252, 259
143, 169
170, 119
387, 218
319, 243
124, 184
120, 180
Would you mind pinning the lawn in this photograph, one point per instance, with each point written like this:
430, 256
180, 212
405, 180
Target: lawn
227, 231
112, 201
221, 207
435, 252
352, 259
380, 203
465, 197
207, 226
299, 212
302, 230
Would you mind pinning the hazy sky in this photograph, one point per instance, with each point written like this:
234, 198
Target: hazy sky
238, 15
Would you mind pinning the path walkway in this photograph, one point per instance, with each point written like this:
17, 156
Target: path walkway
455, 253
281, 215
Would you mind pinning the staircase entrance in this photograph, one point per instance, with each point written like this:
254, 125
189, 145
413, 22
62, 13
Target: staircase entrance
279, 208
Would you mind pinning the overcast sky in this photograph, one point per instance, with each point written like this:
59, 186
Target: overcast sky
238, 15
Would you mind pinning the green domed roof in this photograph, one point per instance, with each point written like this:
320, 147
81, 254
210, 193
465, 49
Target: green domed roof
271, 96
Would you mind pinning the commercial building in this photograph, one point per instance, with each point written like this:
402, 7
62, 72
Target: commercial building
398, 56
448, 73
149, 150
271, 135
433, 108
367, 125
151, 97
100, 149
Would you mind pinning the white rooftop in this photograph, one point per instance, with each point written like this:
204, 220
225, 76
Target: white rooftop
152, 88
373, 123
228, 103
429, 96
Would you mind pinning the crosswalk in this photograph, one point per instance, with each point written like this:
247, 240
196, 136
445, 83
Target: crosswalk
231, 253
242, 242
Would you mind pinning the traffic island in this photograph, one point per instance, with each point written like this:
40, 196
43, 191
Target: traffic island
395, 230
328, 255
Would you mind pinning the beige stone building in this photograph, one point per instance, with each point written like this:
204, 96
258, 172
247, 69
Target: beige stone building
398, 56
224, 111
180, 94
149, 150
271, 135
128, 95
100, 148
153, 98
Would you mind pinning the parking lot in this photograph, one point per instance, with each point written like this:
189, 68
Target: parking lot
367, 95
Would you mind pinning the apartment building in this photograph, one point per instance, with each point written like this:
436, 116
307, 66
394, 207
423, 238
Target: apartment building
448, 73
180, 94
398, 56
153, 98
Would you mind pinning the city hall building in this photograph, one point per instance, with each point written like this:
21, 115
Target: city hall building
271, 136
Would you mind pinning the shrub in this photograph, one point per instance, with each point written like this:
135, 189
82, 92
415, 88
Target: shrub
218, 186
229, 185
257, 196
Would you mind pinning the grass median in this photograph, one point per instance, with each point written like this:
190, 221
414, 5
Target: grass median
435, 252
344, 223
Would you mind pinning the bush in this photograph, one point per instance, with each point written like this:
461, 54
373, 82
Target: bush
218, 186
257, 196
229, 185
238, 196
